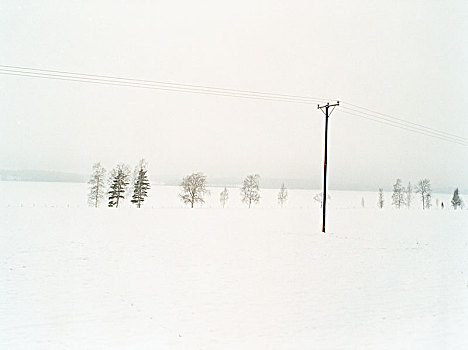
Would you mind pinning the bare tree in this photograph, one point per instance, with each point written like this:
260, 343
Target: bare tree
193, 189
119, 181
424, 189
398, 196
223, 197
457, 201
97, 185
380, 202
141, 184
319, 198
282, 195
250, 190
409, 195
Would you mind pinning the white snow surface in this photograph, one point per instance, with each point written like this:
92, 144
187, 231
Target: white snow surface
169, 277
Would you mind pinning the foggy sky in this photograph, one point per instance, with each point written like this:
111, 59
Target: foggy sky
404, 58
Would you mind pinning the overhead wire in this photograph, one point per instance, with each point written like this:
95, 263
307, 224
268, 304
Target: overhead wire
139, 85
405, 127
361, 112
392, 118
17, 69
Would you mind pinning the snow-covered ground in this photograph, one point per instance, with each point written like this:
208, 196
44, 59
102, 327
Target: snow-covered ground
165, 276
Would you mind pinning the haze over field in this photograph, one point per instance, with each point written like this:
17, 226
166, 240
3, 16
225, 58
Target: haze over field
405, 59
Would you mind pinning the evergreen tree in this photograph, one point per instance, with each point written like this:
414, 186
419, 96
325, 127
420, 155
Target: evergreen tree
141, 184
223, 197
282, 195
97, 183
250, 190
424, 189
398, 196
119, 181
380, 202
457, 201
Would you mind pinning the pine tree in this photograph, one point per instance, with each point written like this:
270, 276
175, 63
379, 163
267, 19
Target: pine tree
282, 195
250, 190
97, 183
398, 196
380, 202
223, 197
141, 184
119, 182
424, 189
457, 201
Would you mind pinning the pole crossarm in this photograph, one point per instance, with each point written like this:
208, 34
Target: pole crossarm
328, 105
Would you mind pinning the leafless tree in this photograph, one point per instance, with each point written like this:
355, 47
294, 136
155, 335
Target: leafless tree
193, 189
250, 190
119, 181
97, 185
223, 197
398, 196
424, 189
319, 198
380, 202
141, 184
408, 195
282, 195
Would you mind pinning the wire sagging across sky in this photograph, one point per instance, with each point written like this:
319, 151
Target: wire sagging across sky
352, 110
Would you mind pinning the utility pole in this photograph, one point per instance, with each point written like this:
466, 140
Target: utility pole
324, 193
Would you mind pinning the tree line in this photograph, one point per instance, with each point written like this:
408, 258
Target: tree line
402, 196
115, 187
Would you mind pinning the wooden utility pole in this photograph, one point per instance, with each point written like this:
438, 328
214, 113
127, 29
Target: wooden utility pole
324, 192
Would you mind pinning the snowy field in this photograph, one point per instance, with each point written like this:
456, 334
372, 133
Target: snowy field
169, 277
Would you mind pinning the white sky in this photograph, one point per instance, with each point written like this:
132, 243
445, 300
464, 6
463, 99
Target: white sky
405, 58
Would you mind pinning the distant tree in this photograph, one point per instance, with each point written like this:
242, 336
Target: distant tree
119, 181
193, 189
96, 185
398, 196
457, 201
282, 195
408, 195
424, 189
319, 198
380, 202
223, 197
141, 184
250, 190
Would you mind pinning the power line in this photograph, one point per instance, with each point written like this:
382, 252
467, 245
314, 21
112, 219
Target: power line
152, 87
405, 127
401, 120
153, 82
409, 125
209, 90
